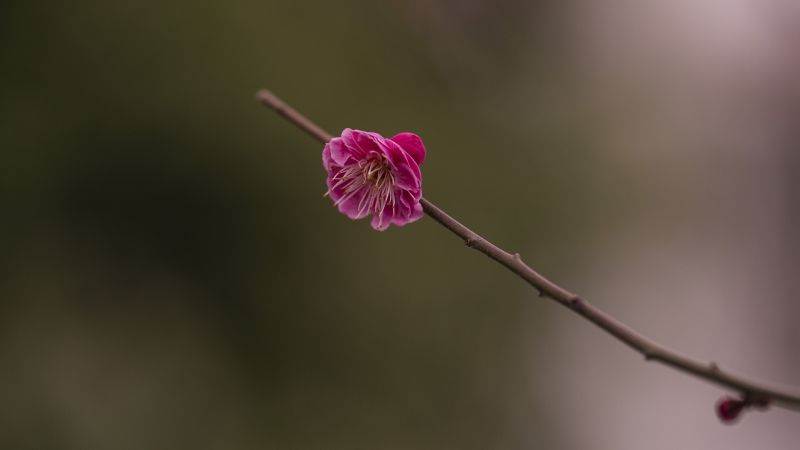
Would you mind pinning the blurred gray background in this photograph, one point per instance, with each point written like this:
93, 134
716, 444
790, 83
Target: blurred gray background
171, 277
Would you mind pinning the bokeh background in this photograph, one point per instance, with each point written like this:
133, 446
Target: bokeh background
171, 277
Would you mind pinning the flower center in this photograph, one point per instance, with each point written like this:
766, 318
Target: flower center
371, 179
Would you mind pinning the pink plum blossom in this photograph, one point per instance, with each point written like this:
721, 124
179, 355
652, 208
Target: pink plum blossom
369, 174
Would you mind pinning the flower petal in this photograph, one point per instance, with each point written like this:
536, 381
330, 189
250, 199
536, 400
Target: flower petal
326, 157
411, 144
349, 207
381, 223
362, 143
415, 214
340, 152
404, 168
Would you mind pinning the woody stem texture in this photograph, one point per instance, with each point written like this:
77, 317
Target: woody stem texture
750, 389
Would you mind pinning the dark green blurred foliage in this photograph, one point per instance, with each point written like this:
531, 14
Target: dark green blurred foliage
171, 275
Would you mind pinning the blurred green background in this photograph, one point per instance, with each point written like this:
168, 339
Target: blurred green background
171, 276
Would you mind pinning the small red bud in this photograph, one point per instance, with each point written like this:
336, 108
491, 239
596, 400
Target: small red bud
729, 408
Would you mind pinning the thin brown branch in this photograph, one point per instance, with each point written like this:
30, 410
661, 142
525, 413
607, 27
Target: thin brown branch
652, 351
272, 101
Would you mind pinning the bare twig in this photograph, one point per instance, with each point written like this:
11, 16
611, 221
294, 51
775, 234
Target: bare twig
749, 389
270, 100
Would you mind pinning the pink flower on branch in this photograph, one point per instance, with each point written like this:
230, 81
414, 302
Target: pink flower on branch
369, 174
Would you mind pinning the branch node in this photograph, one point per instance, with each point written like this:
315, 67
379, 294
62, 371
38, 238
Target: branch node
517, 257
472, 243
713, 366
576, 302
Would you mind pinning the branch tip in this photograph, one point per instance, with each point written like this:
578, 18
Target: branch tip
269, 99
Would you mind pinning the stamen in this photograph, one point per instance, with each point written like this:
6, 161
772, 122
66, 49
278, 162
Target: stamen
374, 171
